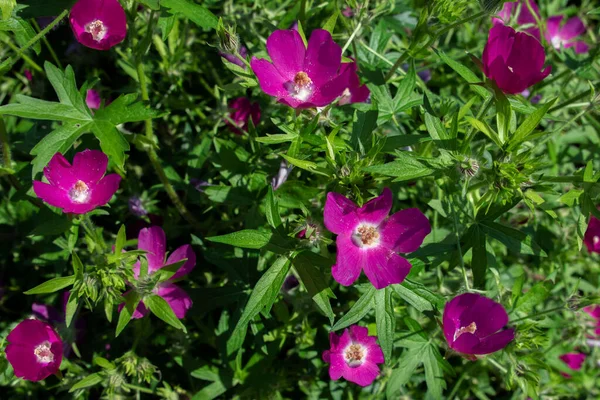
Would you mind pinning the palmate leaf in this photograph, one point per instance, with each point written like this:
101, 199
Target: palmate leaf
76, 119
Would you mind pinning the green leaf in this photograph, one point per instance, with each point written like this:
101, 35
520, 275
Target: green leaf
513, 239
330, 24
362, 130
536, 295
309, 267
571, 197
132, 299
438, 132
479, 258
405, 88
272, 209
53, 285
247, 238
385, 321
198, 14
151, 4
418, 296
22, 29
103, 363
404, 168
7, 6
77, 266
362, 306
121, 239
305, 165
72, 304
159, 307
529, 125
277, 138
403, 372
88, 381
165, 273
482, 126
465, 73
263, 296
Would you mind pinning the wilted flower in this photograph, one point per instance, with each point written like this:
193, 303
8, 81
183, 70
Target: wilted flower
98, 24
524, 17
81, 187
592, 235
282, 175
503, 60
241, 112
154, 242
473, 323
573, 361
136, 206
354, 356
302, 77
369, 240
233, 58
564, 36
34, 350
93, 99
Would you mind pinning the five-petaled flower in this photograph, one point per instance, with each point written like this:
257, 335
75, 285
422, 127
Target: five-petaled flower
154, 242
35, 350
79, 188
472, 325
305, 77
592, 235
564, 36
574, 361
98, 24
354, 356
369, 240
242, 110
504, 61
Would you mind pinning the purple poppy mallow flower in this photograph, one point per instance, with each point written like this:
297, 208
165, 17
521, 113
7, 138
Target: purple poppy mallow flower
565, 36
242, 110
573, 360
534, 100
35, 350
282, 175
136, 206
354, 92
473, 325
93, 99
98, 24
28, 75
77, 188
348, 12
369, 239
503, 60
524, 18
154, 242
592, 235
234, 59
302, 76
354, 355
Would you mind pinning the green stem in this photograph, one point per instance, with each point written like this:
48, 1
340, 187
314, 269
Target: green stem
572, 100
460, 254
138, 388
91, 230
470, 134
48, 45
5, 144
37, 37
154, 159
539, 313
27, 59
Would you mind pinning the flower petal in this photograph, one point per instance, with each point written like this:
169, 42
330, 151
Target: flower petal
553, 27
495, 342
89, 166
383, 267
364, 375
337, 366
573, 28
349, 261
52, 195
339, 214
24, 363
177, 298
182, 252
489, 316
323, 57
104, 190
377, 209
59, 172
465, 343
287, 51
154, 241
405, 230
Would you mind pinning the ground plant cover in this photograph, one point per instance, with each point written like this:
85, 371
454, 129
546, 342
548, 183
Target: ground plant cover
290, 199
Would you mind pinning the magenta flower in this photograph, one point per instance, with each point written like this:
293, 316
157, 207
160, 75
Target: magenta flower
80, 188
354, 92
368, 239
154, 241
28, 75
592, 236
573, 360
241, 112
234, 59
93, 99
299, 76
594, 312
98, 24
354, 356
34, 350
472, 325
563, 36
504, 63
525, 17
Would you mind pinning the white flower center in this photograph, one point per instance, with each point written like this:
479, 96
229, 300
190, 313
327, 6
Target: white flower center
355, 355
97, 29
366, 236
471, 328
596, 239
80, 193
556, 42
302, 87
345, 97
43, 352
